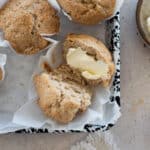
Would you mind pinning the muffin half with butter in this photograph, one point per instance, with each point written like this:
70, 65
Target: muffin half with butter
24, 22
90, 58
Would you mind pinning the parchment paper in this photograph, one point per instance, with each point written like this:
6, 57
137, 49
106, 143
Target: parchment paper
3, 59
16, 94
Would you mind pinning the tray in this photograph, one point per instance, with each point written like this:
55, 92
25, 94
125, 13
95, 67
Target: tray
112, 28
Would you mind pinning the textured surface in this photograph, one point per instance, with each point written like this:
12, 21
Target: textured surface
94, 48
60, 97
26, 22
88, 11
132, 130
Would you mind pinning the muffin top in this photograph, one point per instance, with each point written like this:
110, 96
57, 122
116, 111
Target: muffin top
88, 11
23, 22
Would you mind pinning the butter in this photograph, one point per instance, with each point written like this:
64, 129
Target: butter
89, 67
148, 24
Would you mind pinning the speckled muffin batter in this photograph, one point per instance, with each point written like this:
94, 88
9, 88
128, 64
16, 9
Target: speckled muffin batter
88, 11
23, 22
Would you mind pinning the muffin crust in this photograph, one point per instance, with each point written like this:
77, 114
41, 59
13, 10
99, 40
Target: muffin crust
23, 22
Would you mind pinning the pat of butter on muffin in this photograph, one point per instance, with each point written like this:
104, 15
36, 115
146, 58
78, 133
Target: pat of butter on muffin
90, 68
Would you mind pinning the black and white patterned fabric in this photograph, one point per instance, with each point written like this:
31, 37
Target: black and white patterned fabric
113, 42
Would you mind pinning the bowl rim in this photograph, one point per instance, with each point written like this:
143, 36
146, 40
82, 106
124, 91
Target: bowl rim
139, 26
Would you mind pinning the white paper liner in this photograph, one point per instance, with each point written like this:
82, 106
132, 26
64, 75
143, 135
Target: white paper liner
54, 4
3, 2
20, 69
30, 115
3, 59
118, 5
13, 91
96, 141
6, 44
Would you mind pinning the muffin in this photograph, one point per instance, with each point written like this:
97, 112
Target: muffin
23, 22
60, 97
88, 11
90, 58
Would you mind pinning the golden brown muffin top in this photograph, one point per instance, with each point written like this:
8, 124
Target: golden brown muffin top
88, 11
24, 21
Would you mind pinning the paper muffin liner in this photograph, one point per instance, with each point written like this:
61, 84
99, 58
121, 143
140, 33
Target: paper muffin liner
3, 59
3, 2
102, 111
118, 5
6, 44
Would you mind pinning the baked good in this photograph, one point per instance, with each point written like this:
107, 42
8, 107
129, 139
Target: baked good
61, 98
90, 58
88, 11
23, 22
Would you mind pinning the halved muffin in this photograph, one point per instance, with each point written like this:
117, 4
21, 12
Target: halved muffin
90, 58
60, 97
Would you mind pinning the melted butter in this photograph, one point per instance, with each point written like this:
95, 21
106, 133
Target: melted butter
89, 67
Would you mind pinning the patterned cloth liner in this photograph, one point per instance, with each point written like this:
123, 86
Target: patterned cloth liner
113, 42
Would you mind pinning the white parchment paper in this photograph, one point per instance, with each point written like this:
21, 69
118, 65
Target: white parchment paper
3, 2
3, 59
30, 114
18, 106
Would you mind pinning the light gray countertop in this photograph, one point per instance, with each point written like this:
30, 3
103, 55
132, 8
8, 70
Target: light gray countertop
132, 131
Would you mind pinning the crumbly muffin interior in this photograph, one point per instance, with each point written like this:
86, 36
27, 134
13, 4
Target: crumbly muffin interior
61, 97
92, 51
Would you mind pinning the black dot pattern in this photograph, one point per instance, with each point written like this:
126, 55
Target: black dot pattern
113, 42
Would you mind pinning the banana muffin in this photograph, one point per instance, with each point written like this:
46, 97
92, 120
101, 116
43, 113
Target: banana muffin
88, 11
23, 22
90, 58
60, 97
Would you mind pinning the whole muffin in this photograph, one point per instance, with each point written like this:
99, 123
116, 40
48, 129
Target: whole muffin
89, 58
88, 11
23, 22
